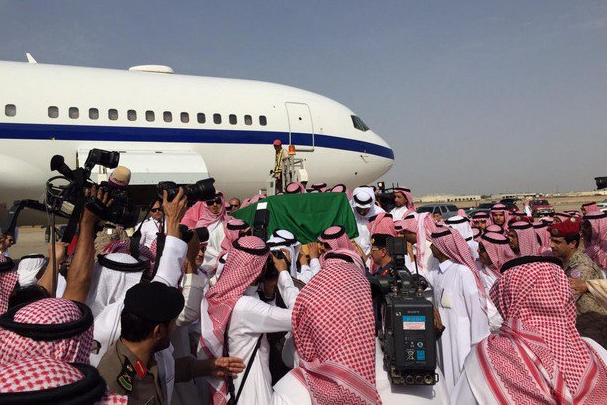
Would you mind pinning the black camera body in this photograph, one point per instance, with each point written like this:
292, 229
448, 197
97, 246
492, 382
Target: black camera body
202, 190
407, 335
68, 200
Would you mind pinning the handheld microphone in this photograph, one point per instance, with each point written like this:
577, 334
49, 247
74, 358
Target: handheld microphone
120, 178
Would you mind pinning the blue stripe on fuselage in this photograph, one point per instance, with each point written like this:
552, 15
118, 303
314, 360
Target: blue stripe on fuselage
141, 134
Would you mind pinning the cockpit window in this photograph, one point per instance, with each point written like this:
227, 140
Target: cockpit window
359, 124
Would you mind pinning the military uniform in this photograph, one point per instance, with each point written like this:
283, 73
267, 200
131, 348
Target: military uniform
125, 374
581, 266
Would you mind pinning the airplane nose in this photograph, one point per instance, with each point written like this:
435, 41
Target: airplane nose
381, 158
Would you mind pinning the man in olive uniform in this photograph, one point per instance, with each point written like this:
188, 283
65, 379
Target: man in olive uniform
564, 242
280, 156
138, 364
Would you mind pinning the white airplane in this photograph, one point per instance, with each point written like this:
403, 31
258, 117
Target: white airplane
173, 127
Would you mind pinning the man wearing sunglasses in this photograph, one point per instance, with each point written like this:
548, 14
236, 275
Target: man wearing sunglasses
211, 214
153, 225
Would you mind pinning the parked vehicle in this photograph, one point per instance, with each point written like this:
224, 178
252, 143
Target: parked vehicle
602, 205
541, 208
446, 210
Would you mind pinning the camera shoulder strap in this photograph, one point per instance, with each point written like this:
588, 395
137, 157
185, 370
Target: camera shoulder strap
226, 353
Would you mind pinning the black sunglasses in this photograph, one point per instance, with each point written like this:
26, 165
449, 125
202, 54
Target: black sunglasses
153, 210
214, 201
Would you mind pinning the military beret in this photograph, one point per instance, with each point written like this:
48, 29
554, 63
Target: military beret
154, 302
569, 227
380, 239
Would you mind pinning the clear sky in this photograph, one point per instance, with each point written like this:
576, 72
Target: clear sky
473, 96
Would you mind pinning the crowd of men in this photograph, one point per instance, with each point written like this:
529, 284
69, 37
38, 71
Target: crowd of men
221, 316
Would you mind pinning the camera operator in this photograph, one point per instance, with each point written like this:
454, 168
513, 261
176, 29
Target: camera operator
234, 320
380, 255
338, 354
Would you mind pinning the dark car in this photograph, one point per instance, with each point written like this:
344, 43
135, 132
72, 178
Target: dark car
487, 206
446, 210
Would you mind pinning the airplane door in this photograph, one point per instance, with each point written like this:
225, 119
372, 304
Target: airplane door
301, 129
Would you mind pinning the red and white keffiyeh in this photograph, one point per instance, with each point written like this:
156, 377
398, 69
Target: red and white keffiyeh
244, 264
49, 311
39, 374
497, 208
336, 237
295, 188
528, 243
8, 281
124, 246
495, 229
407, 193
234, 229
596, 247
589, 207
498, 249
382, 223
541, 230
452, 244
341, 188
538, 356
335, 336
199, 215
423, 226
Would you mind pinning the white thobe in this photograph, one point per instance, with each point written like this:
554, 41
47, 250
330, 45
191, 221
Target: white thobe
457, 298
306, 272
250, 319
216, 236
495, 319
472, 387
149, 230
290, 391
364, 236
473, 247
398, 213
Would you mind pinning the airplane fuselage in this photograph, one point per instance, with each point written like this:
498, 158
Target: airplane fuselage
231, 124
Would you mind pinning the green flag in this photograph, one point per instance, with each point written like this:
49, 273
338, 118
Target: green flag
305, 215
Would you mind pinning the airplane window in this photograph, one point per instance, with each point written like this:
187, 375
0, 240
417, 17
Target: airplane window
248, 120
93, 113
359, 124
10, 110
131, 115
112, 114
73, 113
53, 112
201, 118
149, 116
233, 119
167, 116
217, 118
263, 121
185, 117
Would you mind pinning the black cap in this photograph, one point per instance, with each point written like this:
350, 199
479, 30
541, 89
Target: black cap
380, 239
154, 302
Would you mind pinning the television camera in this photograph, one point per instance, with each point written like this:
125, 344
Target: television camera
407, 335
